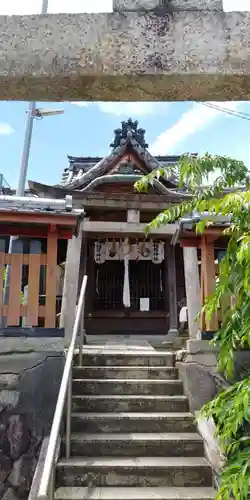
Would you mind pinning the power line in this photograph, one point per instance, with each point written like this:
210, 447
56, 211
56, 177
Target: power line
237, 114
221, 108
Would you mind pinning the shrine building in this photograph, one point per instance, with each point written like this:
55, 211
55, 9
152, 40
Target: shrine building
136, 284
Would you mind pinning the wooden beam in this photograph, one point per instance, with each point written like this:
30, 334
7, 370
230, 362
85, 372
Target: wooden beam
33, 231
67, 220
106, 227
191, 242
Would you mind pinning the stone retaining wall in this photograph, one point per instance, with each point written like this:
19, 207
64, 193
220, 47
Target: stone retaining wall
30, 376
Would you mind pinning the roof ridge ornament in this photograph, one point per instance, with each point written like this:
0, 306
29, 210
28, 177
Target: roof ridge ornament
129, 131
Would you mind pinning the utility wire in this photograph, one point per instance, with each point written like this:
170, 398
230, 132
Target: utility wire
221, 108
237, 114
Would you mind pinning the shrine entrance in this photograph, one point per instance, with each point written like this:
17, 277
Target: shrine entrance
146, 281
129, 285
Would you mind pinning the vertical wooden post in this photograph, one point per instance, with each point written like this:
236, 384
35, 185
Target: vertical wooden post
50, 304
208, 279
202, 298
16, 269
2, 255
33, 283
172, 295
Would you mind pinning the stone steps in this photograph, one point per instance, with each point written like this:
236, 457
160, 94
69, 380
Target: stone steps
125, 372
129, 403
113, 493
112, 387
133, 437
114, 357
134, 444
133, 422
135, 471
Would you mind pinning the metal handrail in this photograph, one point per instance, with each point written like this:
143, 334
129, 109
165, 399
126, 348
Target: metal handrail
46, 489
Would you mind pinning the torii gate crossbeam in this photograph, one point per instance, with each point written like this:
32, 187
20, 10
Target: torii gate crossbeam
157, 52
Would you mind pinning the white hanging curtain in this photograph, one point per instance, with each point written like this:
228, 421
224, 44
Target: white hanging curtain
126, 288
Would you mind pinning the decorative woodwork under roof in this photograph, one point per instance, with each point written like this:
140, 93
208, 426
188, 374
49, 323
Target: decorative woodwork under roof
127, 139
128, 160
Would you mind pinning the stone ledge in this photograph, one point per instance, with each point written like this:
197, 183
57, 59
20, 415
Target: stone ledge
19, 345
199, 346
213, 453
32, 331
127, 56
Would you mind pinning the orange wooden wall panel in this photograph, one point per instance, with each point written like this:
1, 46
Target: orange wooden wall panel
50, 304
14, 304
33, 283
2, 255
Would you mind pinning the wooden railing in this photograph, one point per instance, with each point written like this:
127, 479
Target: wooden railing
37, 310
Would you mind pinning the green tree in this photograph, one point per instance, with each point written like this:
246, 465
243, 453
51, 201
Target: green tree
227, 195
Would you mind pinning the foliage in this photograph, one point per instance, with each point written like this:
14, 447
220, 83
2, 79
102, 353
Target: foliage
227, 196
4, 280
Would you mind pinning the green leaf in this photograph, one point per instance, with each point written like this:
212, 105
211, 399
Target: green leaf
231, 408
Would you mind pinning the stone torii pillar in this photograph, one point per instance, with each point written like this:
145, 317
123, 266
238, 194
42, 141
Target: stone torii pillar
193, 289
147, 49
70, 287
168, 5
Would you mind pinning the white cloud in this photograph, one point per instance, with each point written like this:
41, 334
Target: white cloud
197, 118
9, 7
82, 104
129, 109
6, 129
236, 5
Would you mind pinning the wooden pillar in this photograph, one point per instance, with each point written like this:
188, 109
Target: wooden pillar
172, 295
70, 287
50, 301
2, 269
16, 268
33, 284
192, 286
208, 283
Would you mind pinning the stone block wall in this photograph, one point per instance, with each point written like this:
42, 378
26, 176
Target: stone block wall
201, 381
30, 376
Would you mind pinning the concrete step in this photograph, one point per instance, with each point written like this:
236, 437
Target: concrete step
112, 493
125, 372
136, 444
137, 471
126, 357
133, 422
102, 386
129, 403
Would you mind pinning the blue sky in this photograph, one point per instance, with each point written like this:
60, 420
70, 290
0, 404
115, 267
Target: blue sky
88, 129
